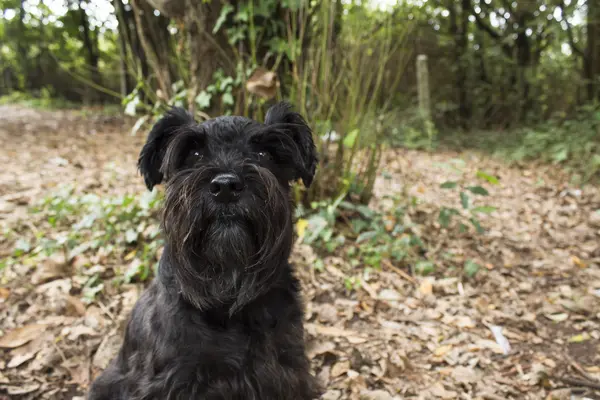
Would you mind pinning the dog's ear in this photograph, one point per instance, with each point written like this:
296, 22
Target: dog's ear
153, 152
282, 116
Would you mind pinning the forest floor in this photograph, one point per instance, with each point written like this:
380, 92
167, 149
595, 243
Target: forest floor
394, 336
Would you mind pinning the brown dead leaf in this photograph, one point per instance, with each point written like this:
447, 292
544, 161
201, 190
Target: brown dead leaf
23, 388
21, 336
327, 313
4, 293
332, 395
438, 390
50, 269
316, 348
559, 394
75, 332
107, 350
75, 306
330, 330
263, 83
426, 287
340, 368
375, 395
578, 262
465, 375
442, 350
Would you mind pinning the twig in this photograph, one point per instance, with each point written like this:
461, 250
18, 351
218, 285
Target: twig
400, 272
578, 382
491, 396
105, 310
59, 351
582, 371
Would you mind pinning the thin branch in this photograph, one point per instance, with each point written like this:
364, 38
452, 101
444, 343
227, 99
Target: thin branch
577, 382
576, 49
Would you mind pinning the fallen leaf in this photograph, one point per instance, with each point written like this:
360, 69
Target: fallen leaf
465, 375
580, 338
442, 350
375, 395
440, 391
23, 388
301, 225
340, 368
577, 261
73, 333
319, 347
107, 350
560, 317
426, 287
21, 336
389, 294
75, 306
500, 338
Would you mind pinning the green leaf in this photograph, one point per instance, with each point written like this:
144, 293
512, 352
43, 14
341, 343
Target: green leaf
134, 269
225, 11
561, 155
350, 138
478, 190
477, 225
131, 236
471, 268
464, 200
316, 225
203, 100
131, 106
22, 246
484, 209
366, 236
228, 99
446, 216
448, 185
490, 178
424, 267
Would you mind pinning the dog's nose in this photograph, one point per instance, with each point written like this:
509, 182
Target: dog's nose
226, 187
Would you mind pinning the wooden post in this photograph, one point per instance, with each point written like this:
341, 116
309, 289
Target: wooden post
423, 85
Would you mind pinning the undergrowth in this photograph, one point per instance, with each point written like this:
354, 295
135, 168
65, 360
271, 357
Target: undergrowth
572, 143
121, 232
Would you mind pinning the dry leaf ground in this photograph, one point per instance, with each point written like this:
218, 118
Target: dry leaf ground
393, 337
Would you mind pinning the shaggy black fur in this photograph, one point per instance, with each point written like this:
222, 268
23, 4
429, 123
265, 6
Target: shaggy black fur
223, 318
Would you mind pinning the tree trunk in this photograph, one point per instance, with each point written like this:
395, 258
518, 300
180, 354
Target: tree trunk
208, 51
460, 43
154, 39
124, 45
463, 64
592, 51
90, 45
21, 48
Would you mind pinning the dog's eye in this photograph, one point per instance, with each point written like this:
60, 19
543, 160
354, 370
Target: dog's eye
193, 157
264, 155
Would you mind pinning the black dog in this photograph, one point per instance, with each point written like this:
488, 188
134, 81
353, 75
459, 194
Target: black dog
223, 318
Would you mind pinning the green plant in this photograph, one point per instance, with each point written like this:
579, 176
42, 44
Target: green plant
411, 129
365, 236
465, 188
125, 226
345, 88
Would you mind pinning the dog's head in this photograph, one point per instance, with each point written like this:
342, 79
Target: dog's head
228, 212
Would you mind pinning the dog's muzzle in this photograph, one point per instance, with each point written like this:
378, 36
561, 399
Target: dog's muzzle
226, 188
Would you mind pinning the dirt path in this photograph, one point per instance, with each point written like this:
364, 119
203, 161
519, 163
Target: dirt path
395, 336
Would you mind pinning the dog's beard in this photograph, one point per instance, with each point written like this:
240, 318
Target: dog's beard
227, 255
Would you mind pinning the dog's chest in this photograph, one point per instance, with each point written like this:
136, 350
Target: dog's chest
240, 358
